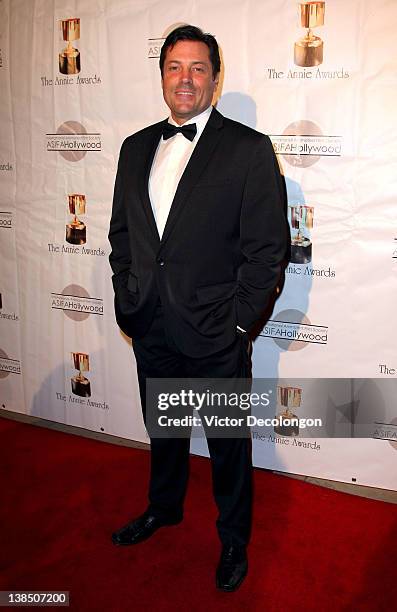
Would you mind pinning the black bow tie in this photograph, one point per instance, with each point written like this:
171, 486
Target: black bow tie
189, 131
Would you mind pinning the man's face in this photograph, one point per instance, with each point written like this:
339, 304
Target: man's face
188, 83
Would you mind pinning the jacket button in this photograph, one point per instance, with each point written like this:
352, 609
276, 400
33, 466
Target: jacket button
160, 261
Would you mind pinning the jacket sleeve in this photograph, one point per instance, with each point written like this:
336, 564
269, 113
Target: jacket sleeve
263, 234
120, 256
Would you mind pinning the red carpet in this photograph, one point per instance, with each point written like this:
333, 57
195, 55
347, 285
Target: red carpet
62, 496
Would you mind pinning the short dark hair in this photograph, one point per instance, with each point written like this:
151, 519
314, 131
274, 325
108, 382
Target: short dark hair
189, 32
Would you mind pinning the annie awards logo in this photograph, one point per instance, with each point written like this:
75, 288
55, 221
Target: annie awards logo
73, 142
155, 44
292, 330
76, 303
302, 144
69, 57
81, 386
308, 51
301, 222
288, 400
75, 232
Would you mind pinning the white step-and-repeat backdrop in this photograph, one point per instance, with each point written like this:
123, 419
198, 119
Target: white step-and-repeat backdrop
78, 76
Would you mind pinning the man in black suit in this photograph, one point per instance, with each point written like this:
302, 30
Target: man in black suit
198, 234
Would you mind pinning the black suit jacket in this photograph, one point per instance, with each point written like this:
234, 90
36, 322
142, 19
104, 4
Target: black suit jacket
220, 254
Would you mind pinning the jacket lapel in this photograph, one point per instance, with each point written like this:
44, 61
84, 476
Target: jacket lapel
149, 151
195, 167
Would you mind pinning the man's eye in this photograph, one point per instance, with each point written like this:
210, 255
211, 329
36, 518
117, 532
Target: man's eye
198, 69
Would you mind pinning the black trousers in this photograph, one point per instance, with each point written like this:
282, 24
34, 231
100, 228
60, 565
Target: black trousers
231, 460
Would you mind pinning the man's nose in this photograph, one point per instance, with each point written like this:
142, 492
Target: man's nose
186, 75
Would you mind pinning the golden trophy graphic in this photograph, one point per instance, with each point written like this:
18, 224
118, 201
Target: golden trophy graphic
301, 219
69, 57
76, 231
308, 51
288, 398
80, 384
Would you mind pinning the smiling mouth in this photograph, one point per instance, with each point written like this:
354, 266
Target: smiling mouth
184, 93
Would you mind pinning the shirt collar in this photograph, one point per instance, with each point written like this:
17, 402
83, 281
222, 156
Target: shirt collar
200, 121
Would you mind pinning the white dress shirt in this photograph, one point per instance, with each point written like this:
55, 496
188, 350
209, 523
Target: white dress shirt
169, 163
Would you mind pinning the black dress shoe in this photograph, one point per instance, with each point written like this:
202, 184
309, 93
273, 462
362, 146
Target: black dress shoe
139, 530
232, 568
